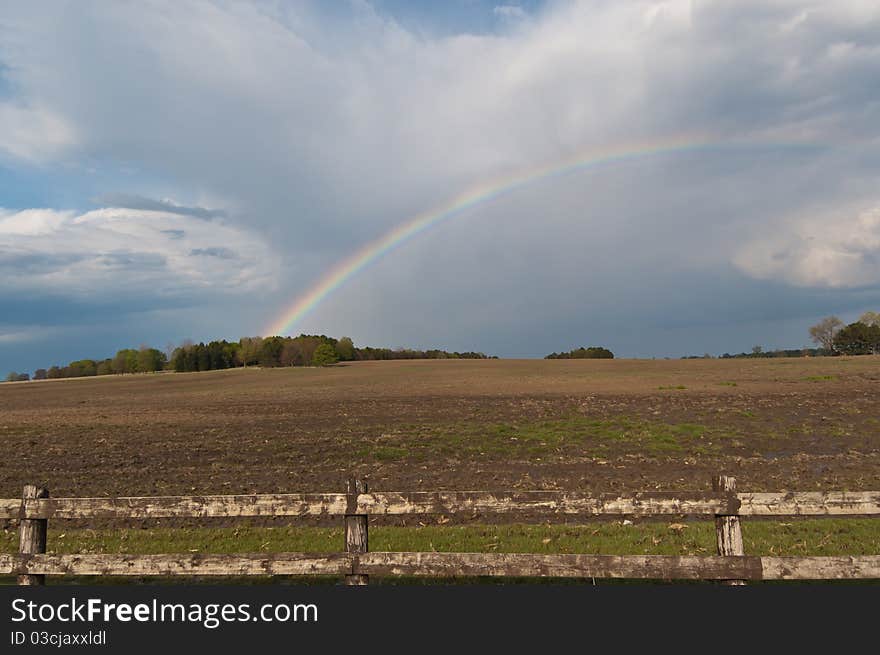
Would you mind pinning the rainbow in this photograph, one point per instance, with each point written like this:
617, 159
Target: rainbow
481, 194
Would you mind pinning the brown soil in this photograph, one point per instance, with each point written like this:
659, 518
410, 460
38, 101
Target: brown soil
592, 425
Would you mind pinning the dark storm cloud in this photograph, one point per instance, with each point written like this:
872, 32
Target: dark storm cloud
319, 131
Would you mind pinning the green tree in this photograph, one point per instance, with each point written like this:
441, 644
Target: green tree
345, 349
270, 351
325, 355
858, 339
126, 361
150, 360
81, 368
249, 350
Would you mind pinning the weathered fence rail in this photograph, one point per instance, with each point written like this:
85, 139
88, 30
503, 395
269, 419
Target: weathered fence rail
725, 504
799, 503
665, 567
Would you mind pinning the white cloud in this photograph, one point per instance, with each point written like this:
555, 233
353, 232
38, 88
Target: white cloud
115, 251
318, 131
34, 133
837, 250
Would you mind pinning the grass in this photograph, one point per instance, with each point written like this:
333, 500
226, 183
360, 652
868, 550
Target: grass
820, 378
541, 439
796, 537
803, 537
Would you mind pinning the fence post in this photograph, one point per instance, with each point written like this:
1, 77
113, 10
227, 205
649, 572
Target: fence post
32, 533
356, 536
728, 533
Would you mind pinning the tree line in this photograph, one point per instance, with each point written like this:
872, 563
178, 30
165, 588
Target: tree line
593, 352
267, 352
832, 337
304, 350
128, 360
859, 338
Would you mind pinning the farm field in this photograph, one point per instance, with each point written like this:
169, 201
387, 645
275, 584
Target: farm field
591, 425
596, 425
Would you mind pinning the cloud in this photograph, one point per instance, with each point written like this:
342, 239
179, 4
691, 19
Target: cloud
114, 252
836, 251
18, 334
510, 12
220, 253
34, 133
317, 131
134, 201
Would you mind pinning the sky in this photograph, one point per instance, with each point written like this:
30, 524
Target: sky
690, 177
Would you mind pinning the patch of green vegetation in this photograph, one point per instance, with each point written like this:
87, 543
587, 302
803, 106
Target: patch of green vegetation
577, 435
671, 387
796, 537
727, 384
820, 378
747, 413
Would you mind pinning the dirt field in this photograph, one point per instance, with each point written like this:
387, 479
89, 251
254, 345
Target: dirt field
577, 424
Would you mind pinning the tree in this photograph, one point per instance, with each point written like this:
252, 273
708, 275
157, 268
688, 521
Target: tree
126, 361
593, 352
292, 353
345, 349
150, 360
270, 351
871, 319
823, 332
858, 339
249, 350
81, 368
40, 374
325, 355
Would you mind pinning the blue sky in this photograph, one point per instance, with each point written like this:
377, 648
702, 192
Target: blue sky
183, 171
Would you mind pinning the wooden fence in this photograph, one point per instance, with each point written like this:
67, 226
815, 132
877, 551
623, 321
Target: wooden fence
357, 563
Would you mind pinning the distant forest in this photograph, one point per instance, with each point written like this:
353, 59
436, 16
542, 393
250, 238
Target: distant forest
593, 352
268, 352
831, 336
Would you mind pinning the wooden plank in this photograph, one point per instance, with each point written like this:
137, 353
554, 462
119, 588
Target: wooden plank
549, 502
187, 506
810, 503
10, 508
662, 567
821, 568
8, 564
427, 502
180, 564
32, 534
728, 533
356, 531
562, 566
